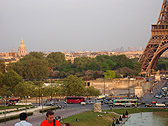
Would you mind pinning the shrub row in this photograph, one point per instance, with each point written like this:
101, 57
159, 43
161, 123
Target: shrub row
18, 109
46, 109
14, 117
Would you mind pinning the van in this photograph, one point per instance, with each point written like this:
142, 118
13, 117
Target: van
160, 105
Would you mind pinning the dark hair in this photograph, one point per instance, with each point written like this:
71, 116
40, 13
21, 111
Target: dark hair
67, 124
50, 112
23, 116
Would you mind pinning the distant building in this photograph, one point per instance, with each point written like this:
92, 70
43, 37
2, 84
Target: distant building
11, 57
22, 50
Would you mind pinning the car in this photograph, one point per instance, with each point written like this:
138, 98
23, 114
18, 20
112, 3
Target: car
89, 102
166, 97
106, 101
50, 103
158, 96
166, 103
160, 105
83, 103
164, 88
154, 102
101, 101
128, 105
148, 105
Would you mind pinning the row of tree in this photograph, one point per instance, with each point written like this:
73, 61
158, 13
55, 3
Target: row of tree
12, 84
36, 66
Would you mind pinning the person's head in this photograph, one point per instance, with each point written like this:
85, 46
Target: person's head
66, 124
23, 116
50, 116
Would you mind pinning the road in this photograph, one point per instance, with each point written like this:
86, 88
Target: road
149, 96
73, 109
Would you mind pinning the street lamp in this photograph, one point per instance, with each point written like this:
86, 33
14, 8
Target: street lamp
39, 94
5, 110
55, 98
26, 103
42, 103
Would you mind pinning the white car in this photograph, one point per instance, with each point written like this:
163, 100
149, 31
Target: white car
83, 103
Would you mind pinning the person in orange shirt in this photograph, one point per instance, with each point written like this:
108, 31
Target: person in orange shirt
50, 121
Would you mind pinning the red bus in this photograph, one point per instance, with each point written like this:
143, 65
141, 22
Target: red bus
74, 99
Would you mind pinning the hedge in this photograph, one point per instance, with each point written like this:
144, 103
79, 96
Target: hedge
51, 108
14, 117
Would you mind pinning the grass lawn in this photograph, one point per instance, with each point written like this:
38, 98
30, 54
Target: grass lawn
91, 119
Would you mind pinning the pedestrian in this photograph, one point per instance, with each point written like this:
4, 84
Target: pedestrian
50, 121
23, 120
66, 124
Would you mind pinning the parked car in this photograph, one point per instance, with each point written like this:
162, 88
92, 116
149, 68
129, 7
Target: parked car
128, 105
83, 103
166, 97
50, 103
89, 102
160, 105
148, 105
158, 96
154, 102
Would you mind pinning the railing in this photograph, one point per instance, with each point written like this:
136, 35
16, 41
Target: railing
160, 27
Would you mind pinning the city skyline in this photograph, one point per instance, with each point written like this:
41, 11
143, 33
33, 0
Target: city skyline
76, 24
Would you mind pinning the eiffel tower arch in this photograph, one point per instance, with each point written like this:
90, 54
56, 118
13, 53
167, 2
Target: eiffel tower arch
158, 42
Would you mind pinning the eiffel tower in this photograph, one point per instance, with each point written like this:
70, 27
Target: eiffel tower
158, 42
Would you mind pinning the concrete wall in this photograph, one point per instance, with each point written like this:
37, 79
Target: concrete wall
114, 84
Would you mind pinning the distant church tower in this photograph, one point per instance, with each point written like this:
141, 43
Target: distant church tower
22, 49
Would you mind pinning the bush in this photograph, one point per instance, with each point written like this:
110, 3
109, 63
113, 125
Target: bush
46, 109
13, 117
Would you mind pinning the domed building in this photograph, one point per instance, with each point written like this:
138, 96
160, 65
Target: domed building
22, 50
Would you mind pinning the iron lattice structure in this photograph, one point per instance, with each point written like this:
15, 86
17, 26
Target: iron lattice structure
158, 42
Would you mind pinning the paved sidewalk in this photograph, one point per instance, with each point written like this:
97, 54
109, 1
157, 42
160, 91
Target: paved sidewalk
37, 117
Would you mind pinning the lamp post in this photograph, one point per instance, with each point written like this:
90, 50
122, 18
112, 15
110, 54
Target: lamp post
26, 103
5, 110
51, 89
104, 84
42, 103
55, 98
39, 94
66, 99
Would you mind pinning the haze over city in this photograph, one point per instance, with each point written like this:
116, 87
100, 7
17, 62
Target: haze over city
61, 25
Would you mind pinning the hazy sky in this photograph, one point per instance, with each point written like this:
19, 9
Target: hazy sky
61, 25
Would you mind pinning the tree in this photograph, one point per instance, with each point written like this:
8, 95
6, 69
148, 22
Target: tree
33, 55
11, 79
91, 91
36, 69
74, 86
2, 66
21, 89
32, 66
109, 74
5, 91
58, 57
1, 79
